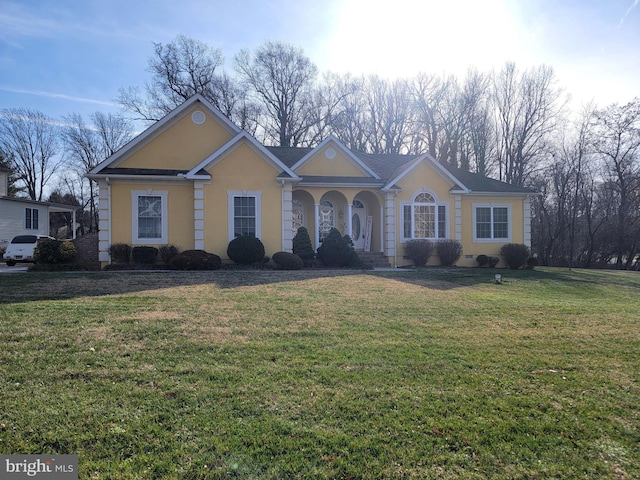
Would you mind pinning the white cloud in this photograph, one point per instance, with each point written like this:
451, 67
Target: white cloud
59, 96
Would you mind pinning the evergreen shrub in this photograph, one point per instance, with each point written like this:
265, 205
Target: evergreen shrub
482, 260
195, 260
302, 245
336, 250
54, 252
246, 250
287, 261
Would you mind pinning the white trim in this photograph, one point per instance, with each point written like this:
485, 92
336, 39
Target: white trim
508, 206
164, 221
231, 194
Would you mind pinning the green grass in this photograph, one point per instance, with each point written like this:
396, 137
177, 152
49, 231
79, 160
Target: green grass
422, 374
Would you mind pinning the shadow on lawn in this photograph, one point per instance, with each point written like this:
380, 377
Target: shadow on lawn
59, 286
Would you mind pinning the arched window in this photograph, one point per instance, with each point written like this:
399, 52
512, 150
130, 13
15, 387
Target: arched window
298, 215
326, 219
424, 217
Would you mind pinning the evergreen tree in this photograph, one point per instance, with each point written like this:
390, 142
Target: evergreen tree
302, 245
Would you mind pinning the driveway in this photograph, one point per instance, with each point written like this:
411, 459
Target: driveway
20, 267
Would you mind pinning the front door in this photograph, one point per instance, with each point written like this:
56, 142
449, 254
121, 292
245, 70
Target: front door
358, 224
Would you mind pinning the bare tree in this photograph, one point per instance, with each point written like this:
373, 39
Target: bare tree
87, 145
389, 115
28, 138
330, 99
616, 139
281, 78
349, 124
527, 106
428, 96
181, 69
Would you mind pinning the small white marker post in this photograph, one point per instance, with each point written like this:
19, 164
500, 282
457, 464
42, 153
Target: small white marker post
498, 278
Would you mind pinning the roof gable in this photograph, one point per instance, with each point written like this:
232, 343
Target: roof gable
331, 157
243, 138
404, 170
163, 142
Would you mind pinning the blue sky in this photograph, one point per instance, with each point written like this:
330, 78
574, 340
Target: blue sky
67, 56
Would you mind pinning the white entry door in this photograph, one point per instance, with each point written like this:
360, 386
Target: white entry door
358, 224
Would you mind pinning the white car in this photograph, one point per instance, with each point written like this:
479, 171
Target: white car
22, 247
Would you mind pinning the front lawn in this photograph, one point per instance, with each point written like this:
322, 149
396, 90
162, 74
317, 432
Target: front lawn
430, 373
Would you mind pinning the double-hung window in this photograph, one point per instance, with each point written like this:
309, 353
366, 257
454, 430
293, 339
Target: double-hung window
491, 222
31, 218
424, 217
244, 214
149, 217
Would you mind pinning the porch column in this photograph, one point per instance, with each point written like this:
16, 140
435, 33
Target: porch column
349, 219
457, 200
73, 223
382, 228
287, 217
316, 234
390, 225
527, 222
198, 215
104, 220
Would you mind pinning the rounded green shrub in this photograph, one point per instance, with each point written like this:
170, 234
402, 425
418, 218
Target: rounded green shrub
195, 260
287, 261
54, 252
418, 251
335, 251
515, 254
482, 260
120, 253
449, 252
246, 250
144, 255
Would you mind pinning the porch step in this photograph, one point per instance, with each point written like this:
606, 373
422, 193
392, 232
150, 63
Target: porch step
375, 259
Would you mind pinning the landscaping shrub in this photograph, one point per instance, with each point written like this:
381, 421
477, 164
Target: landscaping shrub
287, 261
336, 250
482, 260
120, 252
515, 254
493, 261
302, 245
246, 250
144, 255
418, 251
532, 262
195, 260
167, 252
449, 252
54, 252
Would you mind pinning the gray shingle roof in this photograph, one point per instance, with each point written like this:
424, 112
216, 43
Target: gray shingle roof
389, 166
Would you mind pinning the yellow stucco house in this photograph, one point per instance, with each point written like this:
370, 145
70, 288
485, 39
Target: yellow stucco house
195, 180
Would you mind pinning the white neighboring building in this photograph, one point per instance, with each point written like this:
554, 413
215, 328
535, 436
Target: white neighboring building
22, 216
